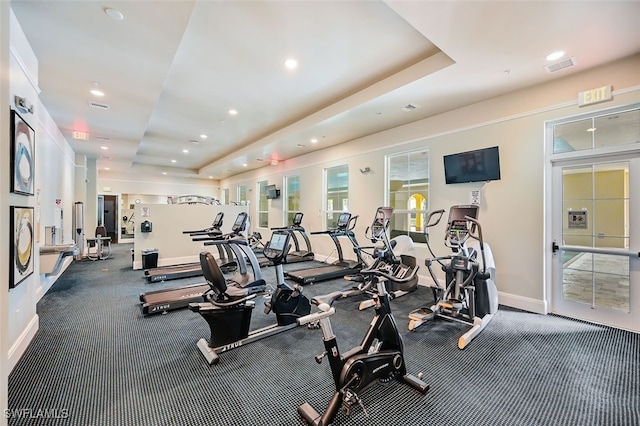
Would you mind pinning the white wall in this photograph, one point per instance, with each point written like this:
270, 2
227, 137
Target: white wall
168, 223
514, 122
4, 204
54, 191
124, 183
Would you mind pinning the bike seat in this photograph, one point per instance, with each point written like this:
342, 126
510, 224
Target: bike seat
326, 298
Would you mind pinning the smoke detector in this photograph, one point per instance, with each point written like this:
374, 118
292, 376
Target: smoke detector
410, 107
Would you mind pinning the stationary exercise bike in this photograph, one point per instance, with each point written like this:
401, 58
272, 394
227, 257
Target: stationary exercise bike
379, 357
470, 294
228, 308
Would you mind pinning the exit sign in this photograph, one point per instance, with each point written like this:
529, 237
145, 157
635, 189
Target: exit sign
594, 96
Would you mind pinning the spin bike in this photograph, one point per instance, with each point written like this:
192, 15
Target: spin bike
228, 308
379, 357
470, 295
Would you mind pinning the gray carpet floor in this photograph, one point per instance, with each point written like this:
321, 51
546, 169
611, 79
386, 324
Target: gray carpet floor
96, 360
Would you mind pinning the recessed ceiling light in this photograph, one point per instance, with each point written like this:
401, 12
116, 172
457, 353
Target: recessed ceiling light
186, 151
96, 89
114, 14
291, 64
173, 161
107, 168
203, 136
104, 147
233, 112
244, 165
591, 129
314, 140
164, 173
555, 55
210, 177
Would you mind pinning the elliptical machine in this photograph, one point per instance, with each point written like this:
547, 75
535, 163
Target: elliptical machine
228, 308
379, 357
470, 295
366, 285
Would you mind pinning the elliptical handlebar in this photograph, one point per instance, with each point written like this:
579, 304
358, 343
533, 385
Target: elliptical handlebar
430, 216
477, 229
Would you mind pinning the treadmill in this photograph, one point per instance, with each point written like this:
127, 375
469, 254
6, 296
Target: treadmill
340, 267
187, 270
295, 255
160, 301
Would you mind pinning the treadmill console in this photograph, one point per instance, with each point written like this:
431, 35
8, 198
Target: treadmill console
217, 222
278, 246
297, 219
240, 223
343, 221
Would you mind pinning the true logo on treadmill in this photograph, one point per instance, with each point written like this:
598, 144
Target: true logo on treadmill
232, 345
160, 308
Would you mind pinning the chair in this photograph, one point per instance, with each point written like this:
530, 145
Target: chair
101, 244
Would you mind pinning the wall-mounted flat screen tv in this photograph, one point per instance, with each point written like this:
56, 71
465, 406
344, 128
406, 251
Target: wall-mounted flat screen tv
272, 192
472, 166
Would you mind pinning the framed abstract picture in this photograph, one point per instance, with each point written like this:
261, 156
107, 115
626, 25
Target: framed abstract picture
21, 244
22, 155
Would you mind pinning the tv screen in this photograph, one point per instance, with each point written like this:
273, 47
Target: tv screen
272, 192
472, 166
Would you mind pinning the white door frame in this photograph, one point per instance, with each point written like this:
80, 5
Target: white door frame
553, 211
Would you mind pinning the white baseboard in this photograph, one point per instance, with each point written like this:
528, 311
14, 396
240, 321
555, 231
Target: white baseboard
525, 303
507, 299
20, 346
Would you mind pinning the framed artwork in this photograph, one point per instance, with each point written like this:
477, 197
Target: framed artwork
22, 155
21, 244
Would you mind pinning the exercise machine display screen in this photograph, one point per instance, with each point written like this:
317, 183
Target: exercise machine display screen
240, 222
457, 221
297, 219
381, 221
217, 222
343, 220
278, 241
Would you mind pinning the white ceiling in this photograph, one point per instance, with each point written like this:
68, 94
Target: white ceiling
171, 70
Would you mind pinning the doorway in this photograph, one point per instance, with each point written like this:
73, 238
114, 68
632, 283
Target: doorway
595, 194
110, 216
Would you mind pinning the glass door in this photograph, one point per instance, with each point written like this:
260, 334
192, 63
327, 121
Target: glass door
595, 218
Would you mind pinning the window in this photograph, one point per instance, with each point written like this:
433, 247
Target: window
292, 188
225, 196
336, 192
408, 192
242, 195
607, 130
263, 205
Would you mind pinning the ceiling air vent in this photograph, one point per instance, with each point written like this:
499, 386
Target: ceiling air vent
410, 107
98, 105
560, 65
